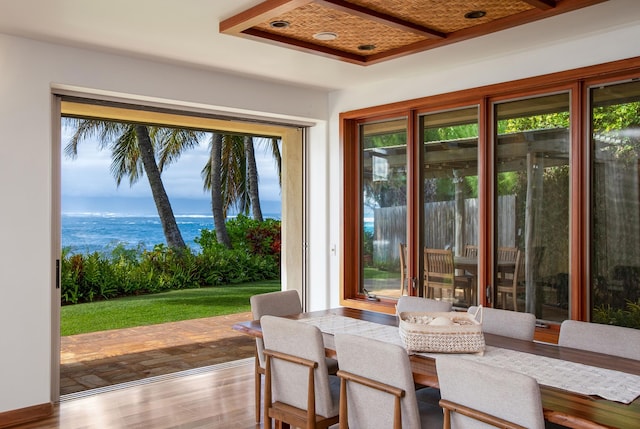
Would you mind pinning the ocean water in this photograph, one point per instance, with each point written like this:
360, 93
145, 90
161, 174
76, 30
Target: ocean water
88, 233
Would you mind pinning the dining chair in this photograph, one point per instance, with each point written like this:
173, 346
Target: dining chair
475, 395
507, 258
596, 337
507, 323
512, 284
419, 304
471, 251
404, 273
377, 389
281, 303
439, 273
298, 389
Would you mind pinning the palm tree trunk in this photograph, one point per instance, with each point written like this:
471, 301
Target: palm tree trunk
252, 173
217, 206
169, 226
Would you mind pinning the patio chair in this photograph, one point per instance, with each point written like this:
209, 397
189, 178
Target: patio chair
512, 324
298, 389
439, 273
512, 284
471, 251
476, 395
416, 303
404, 273
377, 390
282, 303
595, 337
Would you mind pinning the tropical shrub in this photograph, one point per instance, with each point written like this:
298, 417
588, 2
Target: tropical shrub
254, 256
628, 317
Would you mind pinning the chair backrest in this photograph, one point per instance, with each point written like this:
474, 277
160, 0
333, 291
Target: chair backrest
289, 380
404, 273
282, 303
471, 251
496, 392
438, 267
402, 249
507, 254
418, 304
595, 337
381, 362
507, 323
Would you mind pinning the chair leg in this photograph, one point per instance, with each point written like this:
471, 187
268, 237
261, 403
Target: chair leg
258, 385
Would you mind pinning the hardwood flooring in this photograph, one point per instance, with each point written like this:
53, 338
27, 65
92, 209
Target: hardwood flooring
220, 396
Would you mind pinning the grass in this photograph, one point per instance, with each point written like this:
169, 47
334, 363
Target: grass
163, 307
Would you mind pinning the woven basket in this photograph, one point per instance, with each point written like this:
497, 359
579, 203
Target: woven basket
464, 335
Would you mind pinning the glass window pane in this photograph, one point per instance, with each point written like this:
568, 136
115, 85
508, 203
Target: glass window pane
615, 203
450, 188
384, 205
532, 208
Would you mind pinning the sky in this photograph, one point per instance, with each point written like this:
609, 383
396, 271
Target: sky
89, 187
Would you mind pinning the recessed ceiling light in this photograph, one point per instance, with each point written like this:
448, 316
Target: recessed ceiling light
325, 35
475, 14
366, 47
279, 24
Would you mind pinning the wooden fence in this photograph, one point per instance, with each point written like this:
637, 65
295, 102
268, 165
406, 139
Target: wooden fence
390, 227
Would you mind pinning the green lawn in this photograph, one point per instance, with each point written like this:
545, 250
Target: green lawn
161, 308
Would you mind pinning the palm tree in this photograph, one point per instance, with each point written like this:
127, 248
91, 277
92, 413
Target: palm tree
213, 182
133, 149
238, 173
252, 178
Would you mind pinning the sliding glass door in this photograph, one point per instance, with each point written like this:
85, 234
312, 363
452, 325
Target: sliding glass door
383, 223
531, 263
615, 202
450, 203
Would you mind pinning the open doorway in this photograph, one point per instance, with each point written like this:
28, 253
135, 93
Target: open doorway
290, 138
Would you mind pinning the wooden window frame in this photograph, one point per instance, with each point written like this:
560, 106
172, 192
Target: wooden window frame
577, 81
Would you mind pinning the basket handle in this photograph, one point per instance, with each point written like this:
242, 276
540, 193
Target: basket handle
479, 310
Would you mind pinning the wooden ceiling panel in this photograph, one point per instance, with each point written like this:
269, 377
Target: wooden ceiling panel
370, 31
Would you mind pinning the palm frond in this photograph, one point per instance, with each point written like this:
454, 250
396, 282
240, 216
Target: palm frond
125, 158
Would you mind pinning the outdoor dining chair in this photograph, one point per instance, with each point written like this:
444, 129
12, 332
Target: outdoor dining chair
506, 323
404, 273
477, 396
510, 285
376, 388
281, 303
595, 337
439, 273
298, 389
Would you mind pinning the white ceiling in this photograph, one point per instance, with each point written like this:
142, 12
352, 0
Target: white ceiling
186, 32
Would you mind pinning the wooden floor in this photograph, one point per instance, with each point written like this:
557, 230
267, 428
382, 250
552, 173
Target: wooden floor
220, 396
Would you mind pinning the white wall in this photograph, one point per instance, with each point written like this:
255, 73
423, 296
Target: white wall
28, 71
602, 33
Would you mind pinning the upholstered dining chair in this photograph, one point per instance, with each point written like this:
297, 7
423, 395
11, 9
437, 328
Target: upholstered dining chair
418, 304
282, 303
507, 323
439, 273
377, 389
475, 396
298, 389
595, 337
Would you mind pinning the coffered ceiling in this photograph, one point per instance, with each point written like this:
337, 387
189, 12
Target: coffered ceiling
370, 31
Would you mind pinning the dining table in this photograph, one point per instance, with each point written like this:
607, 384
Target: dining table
561, 404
